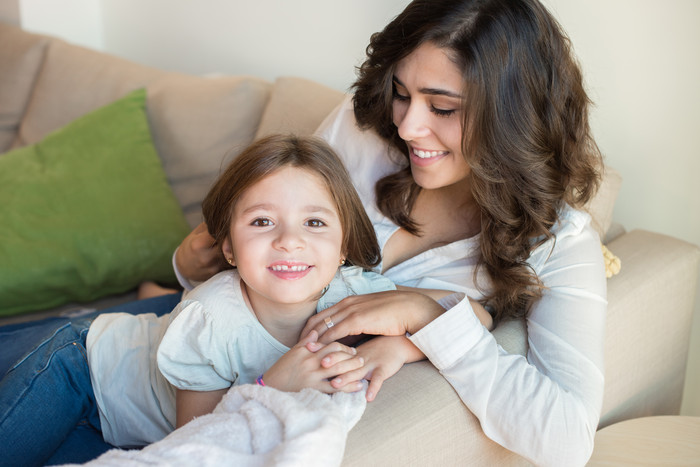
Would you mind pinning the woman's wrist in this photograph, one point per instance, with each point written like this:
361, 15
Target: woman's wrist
427, 310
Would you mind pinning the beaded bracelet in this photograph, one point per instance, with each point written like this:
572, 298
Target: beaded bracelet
260, 381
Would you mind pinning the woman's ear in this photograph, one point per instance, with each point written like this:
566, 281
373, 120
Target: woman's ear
227, 250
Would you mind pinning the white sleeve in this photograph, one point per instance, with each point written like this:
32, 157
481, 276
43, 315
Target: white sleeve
192, 354
546, 407
187, 285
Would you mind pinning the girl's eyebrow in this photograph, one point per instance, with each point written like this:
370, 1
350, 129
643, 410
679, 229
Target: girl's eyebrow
268, 207
431, 91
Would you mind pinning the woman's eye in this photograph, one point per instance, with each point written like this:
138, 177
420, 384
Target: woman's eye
315, 223
261, 222
442, 112
398, 96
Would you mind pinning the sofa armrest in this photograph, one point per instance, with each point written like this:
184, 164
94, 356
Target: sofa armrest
648, 325
418, 419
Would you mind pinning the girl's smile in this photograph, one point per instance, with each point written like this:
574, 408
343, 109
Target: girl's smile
289, 270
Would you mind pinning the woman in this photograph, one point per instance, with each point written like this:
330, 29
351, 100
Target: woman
474, 150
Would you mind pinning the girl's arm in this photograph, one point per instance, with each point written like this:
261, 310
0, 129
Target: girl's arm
310, 364
191, 404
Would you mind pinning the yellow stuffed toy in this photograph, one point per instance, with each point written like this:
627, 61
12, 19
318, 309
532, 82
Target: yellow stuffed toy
612, 262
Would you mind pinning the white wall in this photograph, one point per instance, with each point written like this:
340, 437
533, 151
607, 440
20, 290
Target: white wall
641, 60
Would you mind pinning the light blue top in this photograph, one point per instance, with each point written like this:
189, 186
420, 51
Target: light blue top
210, 341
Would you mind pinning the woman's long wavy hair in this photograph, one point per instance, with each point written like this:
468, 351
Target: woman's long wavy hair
270, 154
526, 135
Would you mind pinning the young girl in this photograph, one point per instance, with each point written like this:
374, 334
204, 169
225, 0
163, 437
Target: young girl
285, 216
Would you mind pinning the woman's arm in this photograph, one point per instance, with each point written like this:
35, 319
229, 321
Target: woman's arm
546, 406
197, 258
437, 295
191, 404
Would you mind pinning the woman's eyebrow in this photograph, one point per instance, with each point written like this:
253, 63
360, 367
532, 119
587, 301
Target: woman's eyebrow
431, 91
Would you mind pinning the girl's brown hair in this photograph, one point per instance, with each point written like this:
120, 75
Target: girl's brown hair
526, 135
275, 152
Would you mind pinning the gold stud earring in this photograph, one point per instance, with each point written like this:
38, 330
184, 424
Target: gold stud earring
230, 261
342, 261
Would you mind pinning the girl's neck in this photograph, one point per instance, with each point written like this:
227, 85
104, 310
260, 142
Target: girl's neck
283, 321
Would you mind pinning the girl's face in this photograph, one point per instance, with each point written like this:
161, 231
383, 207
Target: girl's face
428, 113
286, 238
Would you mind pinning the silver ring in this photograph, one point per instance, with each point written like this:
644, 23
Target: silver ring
329, 322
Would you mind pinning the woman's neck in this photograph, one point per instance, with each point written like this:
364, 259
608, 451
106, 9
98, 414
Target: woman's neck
283, 321
443, 216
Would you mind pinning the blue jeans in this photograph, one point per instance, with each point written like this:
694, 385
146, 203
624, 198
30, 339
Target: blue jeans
48, 412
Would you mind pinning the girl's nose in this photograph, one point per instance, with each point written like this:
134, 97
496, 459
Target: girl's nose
289, 239
411, 122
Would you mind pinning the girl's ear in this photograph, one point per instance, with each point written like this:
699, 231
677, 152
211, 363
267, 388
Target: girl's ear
227, 250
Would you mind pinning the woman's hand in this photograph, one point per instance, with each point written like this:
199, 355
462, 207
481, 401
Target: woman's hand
384, 356
310, 364
391, 313
198, 258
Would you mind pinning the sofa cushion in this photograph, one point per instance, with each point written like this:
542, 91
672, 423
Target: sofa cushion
297, 105
198, 124
21, 55
87, 212
74, 81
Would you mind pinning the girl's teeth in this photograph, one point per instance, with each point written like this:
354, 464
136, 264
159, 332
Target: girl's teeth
427, 154
284, 267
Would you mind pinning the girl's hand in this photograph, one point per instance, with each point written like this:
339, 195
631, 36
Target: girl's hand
384, 356
310, 364
391, 313
198, 258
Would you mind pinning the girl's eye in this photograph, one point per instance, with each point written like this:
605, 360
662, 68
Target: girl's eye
315, 223
441, 112
261, 222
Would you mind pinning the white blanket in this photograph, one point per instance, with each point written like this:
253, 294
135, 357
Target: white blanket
256, 426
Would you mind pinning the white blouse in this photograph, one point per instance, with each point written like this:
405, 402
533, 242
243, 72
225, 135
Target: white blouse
545, 406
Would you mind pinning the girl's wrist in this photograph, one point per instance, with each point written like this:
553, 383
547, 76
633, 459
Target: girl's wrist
259, 381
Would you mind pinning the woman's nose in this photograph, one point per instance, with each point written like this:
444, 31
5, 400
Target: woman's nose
411, 122
289, 239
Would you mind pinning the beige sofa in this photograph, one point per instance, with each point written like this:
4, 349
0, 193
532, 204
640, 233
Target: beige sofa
417, 419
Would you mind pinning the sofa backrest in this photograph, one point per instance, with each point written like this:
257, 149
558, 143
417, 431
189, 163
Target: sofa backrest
198, 123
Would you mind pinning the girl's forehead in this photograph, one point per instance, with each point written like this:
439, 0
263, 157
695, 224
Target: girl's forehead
289, 186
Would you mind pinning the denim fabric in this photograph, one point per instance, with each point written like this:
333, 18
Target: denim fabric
48, 412
19, 339
45, 395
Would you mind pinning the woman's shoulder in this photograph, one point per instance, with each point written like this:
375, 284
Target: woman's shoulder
574, 239
571, 222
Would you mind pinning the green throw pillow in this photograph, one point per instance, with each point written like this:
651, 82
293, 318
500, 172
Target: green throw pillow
87, 212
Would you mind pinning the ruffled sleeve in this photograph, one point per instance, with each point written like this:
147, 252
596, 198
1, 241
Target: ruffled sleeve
192, 354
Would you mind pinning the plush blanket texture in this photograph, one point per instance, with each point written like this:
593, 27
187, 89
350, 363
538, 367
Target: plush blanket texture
256, 426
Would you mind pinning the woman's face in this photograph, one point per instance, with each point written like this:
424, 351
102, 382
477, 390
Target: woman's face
427, 112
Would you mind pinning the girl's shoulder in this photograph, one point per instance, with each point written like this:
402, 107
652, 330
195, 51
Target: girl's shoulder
218, 298
353, 280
